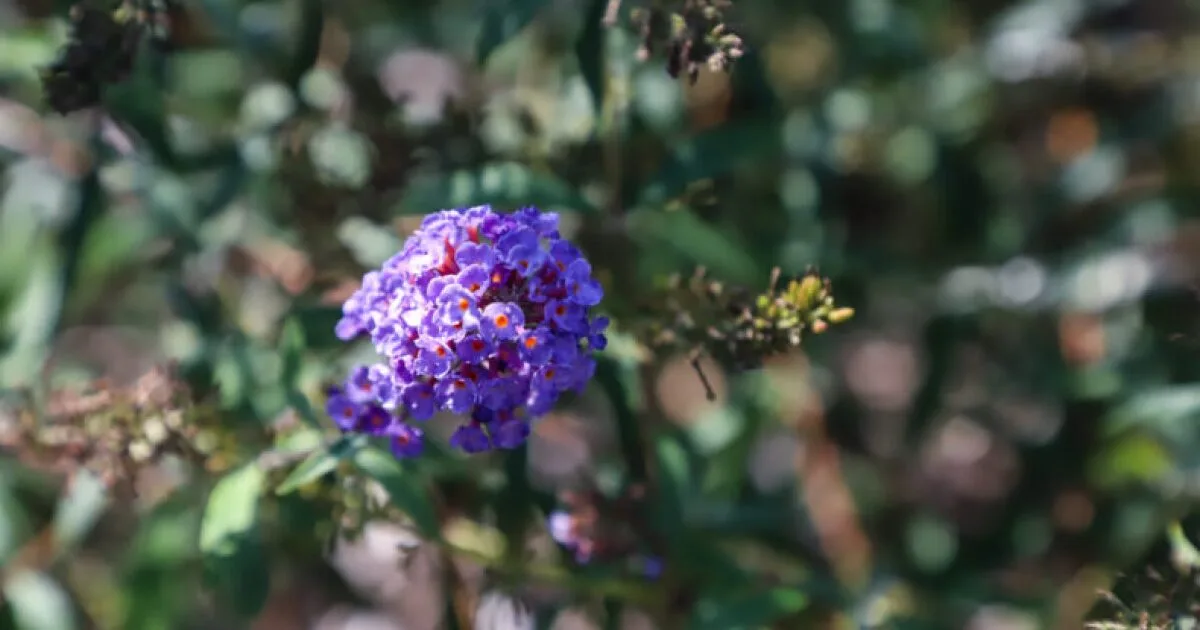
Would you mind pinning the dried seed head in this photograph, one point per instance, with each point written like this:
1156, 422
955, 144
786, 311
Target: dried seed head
737, 327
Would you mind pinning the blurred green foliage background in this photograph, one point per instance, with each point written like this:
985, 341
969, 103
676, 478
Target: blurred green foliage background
1004, 436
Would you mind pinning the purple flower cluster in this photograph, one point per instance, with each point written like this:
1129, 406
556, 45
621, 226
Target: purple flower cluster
481, 314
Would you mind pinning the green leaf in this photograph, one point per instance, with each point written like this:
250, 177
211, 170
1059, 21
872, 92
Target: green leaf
320, 463
507, 185
748, 612
308, 42
514, 500
406, 490
243, 579
85, 500
38, 602
232, 510
502, 20
702, 244
590, 51
675, 482
1132, 459
1172, 411
235, 560
14, 522
291, 352
154, 583
609, 377
739, 144
317, 322
32, 319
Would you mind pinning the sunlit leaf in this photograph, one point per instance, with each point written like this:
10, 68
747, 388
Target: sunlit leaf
406, 490
81, 506
1136, 458
235, 560
320, 464
232, 509
38, 602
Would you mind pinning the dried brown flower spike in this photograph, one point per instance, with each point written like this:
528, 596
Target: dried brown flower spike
102, 48
696, 34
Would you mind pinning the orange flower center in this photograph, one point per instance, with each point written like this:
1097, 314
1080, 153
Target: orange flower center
531, 342
502, 321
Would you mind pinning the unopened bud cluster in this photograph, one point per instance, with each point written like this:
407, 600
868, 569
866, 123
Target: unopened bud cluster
694, 35
738, 328
115, 431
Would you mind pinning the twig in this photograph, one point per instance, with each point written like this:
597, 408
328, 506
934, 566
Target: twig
694, 359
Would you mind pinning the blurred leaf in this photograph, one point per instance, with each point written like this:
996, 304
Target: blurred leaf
505, 186
232, 509
608, 377
1131, 459
514, 500
138, 108
235, 560
740, 143
22, 235
317, 323
155, 581
38, 602
1184, 554
1172, 411
299, 403
308, 40
674, 485
406, 491
590, 51
747, 612
502, 20
32, 319
112, 244
320, 463
14, 523
701, 243
291, 352
81, 506
487, 542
